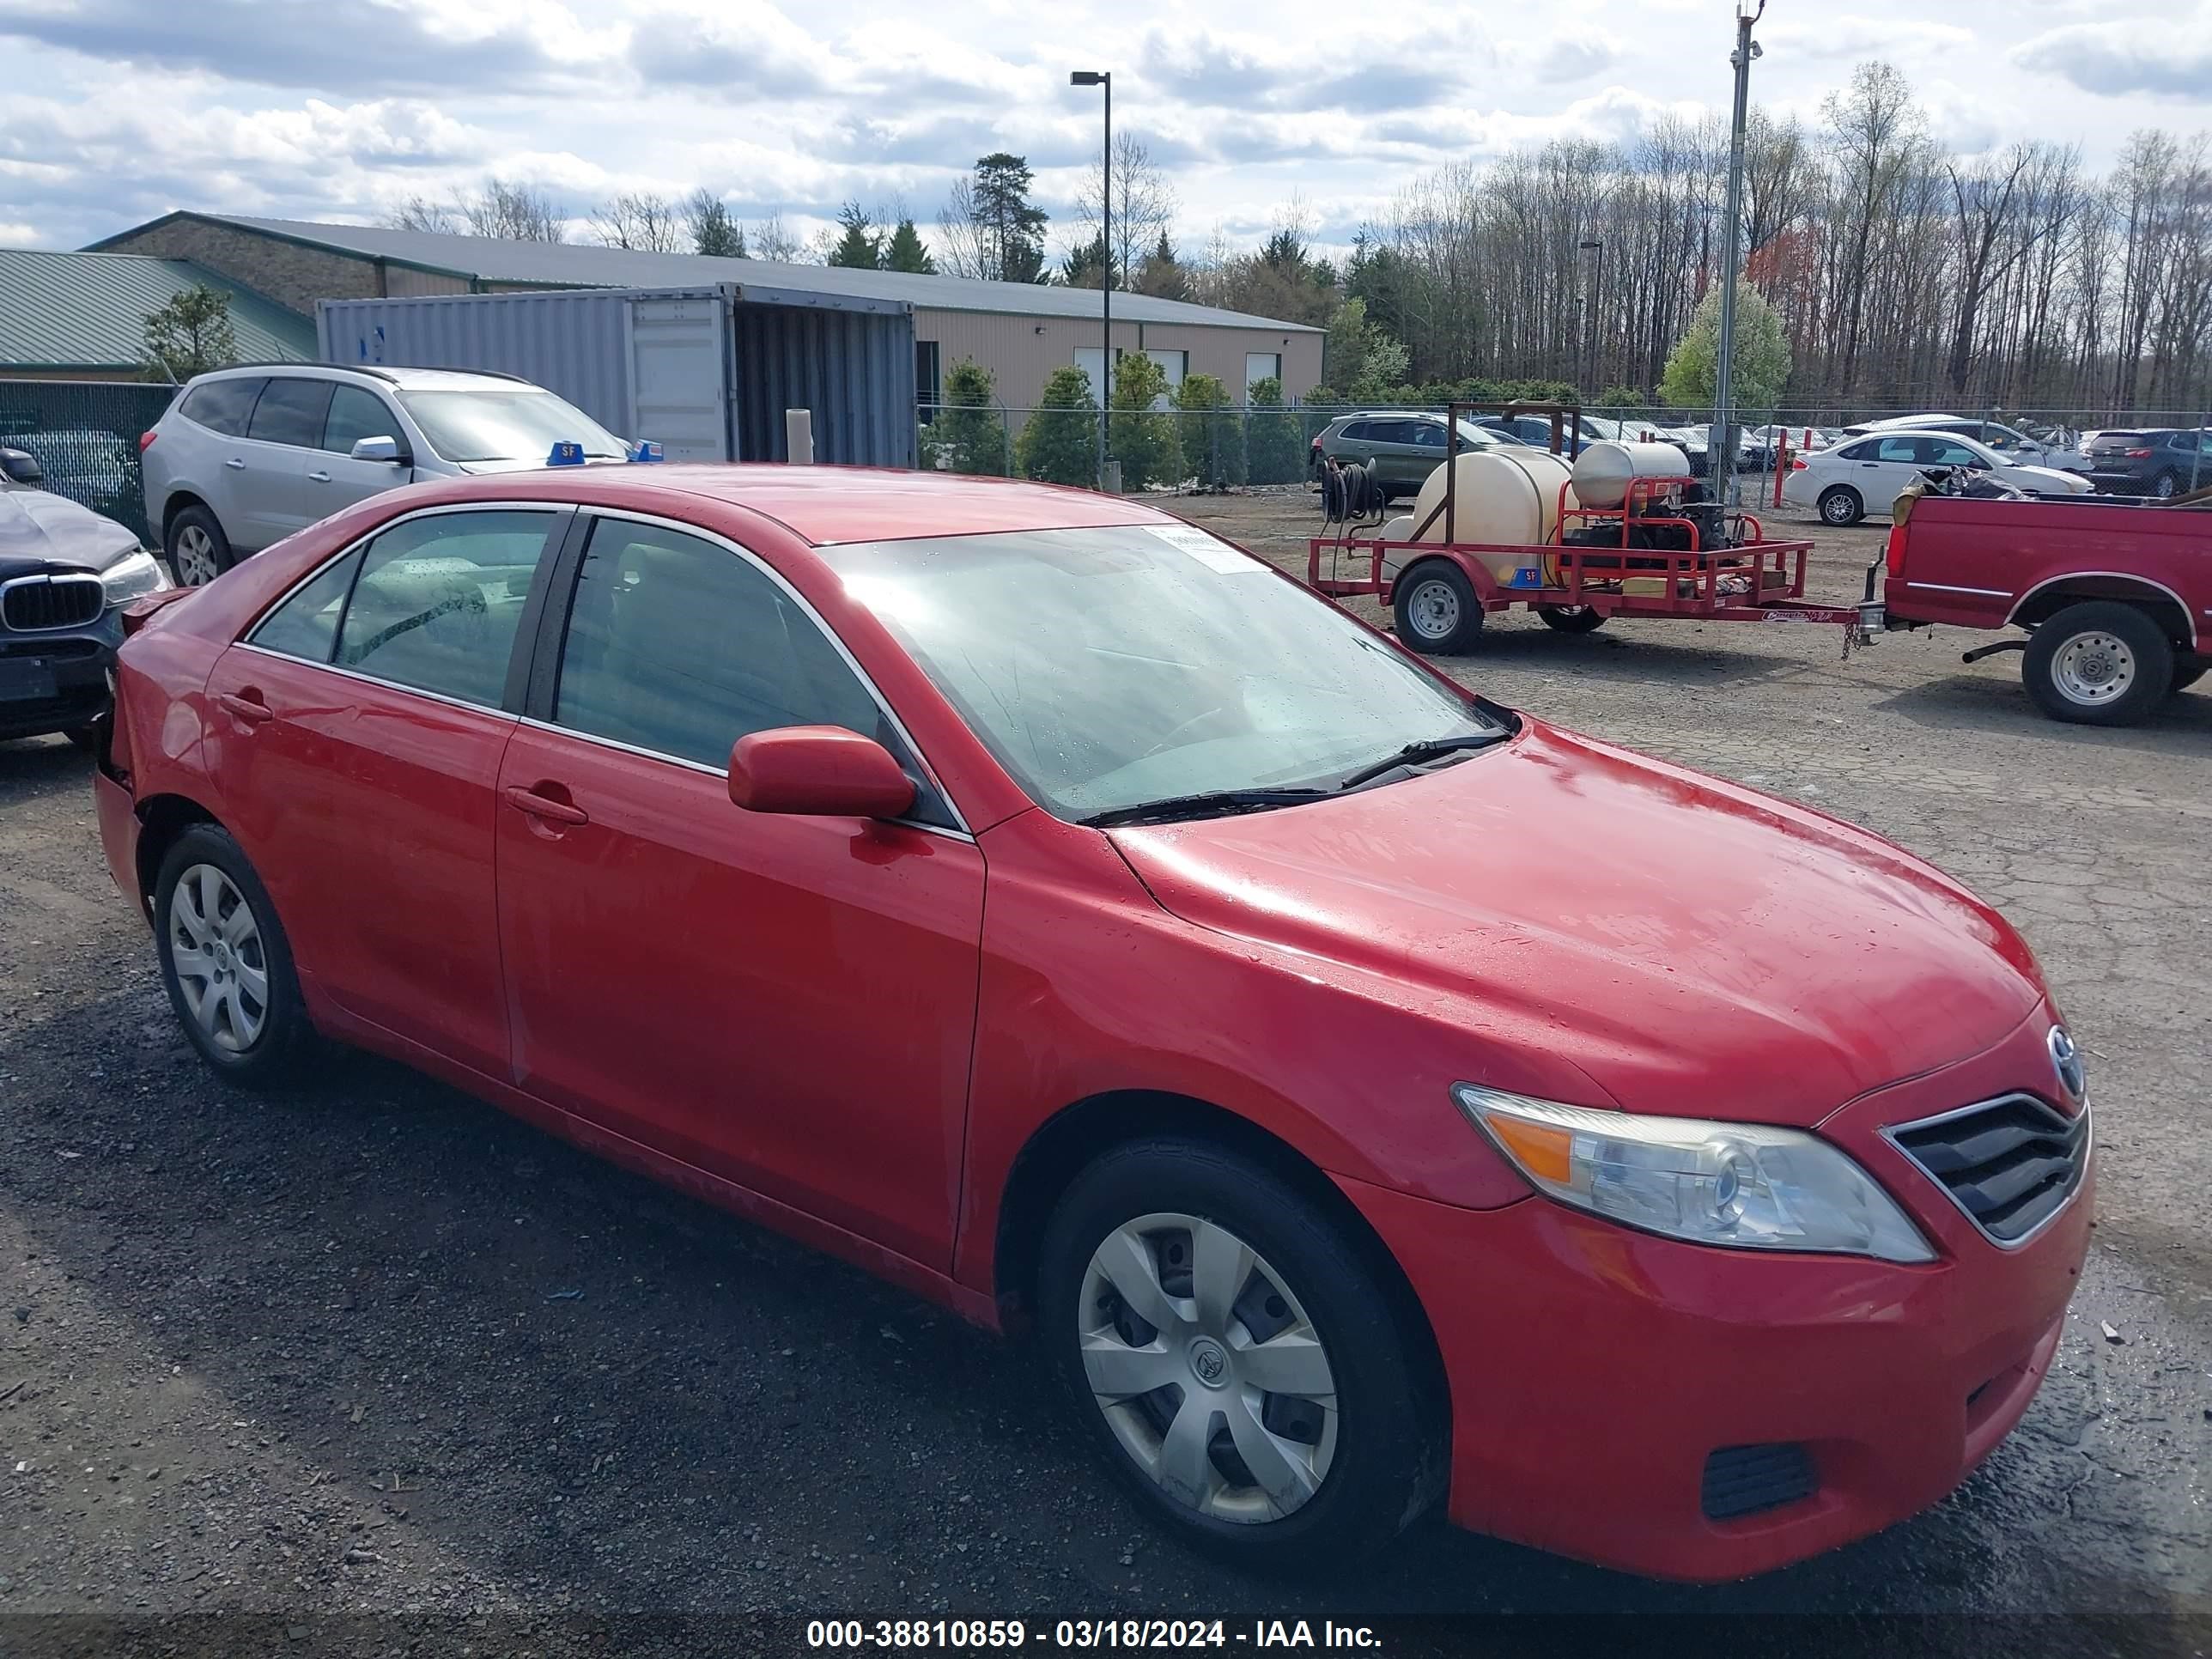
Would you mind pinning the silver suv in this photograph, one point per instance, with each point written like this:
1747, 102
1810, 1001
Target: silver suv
247, 456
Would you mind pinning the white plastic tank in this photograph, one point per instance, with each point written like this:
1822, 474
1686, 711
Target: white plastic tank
1400, 529
1507, 495
1604, 470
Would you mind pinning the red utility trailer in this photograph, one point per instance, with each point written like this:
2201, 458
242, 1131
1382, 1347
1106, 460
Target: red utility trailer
1661, 553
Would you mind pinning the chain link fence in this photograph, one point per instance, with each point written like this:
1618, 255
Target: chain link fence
1256, 446
84, 434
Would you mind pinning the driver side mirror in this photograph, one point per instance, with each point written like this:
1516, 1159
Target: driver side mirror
380, 449
21, 467
818, 771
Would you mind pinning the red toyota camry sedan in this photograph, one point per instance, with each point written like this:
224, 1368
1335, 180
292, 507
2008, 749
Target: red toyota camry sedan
1369, 1094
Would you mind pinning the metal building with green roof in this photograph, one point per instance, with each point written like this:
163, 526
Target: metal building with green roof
82, 316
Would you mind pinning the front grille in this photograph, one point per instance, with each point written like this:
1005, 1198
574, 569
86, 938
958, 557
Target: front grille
2010, 1165
36, 604
1742, 1480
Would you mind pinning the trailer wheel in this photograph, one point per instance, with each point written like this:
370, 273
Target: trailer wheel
1840, 504
1571, 619
1437, 610
2100, 663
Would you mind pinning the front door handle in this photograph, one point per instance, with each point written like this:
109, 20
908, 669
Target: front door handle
249, 708
318, 477
236, 464
545, 806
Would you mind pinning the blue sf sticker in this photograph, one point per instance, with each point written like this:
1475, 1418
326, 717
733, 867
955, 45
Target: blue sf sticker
1209, 551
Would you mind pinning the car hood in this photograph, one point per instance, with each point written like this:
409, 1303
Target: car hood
39, 530
1690, 945
2041, 477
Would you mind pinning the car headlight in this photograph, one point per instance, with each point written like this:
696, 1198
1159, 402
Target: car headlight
1748, 1185
133, 577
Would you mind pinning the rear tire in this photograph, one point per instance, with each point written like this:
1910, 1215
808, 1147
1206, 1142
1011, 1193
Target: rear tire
1436, 610
2099, 663
226, 963
86, 738
1571, 619
1327, 1468
2187, 671
1840, 504
198, 549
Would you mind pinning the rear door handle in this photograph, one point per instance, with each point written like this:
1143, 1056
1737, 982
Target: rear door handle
544, 807
236, 464
251, 710
318, 477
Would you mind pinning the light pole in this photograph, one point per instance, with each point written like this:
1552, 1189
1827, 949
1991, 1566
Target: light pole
1104, 78
1747, 12
1587, 348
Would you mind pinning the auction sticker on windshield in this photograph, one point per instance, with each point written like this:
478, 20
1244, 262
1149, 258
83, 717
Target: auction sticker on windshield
1209, 551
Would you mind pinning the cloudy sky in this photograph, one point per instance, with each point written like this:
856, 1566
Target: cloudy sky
116, 110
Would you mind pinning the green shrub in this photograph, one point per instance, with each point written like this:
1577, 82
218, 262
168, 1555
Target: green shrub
1059, 445
1141, 438
968, 427
1212, 435
1276, 442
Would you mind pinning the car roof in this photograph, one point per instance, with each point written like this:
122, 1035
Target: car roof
405, 378
826, 505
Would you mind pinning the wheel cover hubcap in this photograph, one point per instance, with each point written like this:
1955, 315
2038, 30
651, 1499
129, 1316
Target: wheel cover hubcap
1206, 1368
2093, 669
194, 558
215, 946
1434, 609
1839, 509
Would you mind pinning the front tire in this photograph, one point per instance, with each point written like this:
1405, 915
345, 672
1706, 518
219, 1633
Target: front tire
1840, 504
2099, 663
1436, 610
1232, 1353
198, 551
1571, 619
2188, 669
2165, 486
226, 963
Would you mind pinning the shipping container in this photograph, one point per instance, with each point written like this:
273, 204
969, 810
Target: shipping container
706, 373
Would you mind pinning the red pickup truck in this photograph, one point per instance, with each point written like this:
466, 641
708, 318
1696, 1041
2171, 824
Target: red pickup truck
2116, 597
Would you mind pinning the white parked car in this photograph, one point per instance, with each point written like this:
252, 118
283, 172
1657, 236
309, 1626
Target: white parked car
1864, 475
2018, 448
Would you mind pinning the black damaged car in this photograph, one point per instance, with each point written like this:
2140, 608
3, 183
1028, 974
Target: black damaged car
65, 574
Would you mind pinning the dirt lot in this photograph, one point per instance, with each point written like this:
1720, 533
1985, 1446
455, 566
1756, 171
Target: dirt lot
376, 1353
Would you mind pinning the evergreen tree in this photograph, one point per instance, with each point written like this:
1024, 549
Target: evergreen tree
1141, 437
1011, 227
1059, 445
972, 432
905, 252
1161, 275
1085, 266
1275, 445
713, 230
1211, 439
191, 334
861, 246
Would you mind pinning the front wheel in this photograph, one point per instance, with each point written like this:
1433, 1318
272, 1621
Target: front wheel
1436, 611
2187, 671
226, 963
2099, 663
1236, 1359
2165, 486
1571, 619
1841, 505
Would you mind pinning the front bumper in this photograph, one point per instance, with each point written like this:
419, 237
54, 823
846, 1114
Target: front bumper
1593, 1371
56, 682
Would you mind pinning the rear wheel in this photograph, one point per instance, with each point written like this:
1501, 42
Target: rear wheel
226, 963
1436, 611
1840, 504
1232, 1353
2099, 663
1571, 619
198, 551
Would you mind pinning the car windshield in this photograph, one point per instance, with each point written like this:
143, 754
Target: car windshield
1113, 668
517, 424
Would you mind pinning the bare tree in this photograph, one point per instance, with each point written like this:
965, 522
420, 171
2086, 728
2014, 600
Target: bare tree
771, 240
515, 211
644, 221
1143, 200
421, 213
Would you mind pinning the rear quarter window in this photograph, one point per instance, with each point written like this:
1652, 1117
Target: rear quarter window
223, 406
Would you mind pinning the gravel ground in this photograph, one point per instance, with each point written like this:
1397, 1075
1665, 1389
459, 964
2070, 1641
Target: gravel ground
374, 1368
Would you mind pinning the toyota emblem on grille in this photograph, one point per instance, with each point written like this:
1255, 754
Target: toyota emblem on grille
2067, 1059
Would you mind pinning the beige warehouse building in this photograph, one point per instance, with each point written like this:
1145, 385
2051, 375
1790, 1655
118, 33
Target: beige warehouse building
1020, 332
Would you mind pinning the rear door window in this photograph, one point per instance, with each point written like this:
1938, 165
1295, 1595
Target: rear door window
223, 406
1908, 450
438, 600
290, 412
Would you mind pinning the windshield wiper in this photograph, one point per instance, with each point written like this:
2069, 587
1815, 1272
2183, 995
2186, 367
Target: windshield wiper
1413, 753
1219, 803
